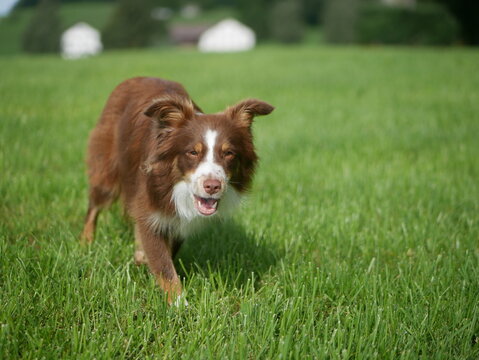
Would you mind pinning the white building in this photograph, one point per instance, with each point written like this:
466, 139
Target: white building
80, 40
227, 36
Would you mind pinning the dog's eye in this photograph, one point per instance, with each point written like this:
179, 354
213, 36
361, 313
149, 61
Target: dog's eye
229, 154
192, 153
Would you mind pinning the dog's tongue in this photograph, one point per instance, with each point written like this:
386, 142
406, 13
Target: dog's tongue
209, 203
206, 206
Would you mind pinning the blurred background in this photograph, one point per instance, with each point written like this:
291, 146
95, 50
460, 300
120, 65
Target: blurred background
80, 28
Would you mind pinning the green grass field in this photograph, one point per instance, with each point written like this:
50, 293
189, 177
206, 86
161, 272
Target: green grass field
360, 238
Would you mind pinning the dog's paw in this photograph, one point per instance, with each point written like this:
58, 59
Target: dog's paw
180, 301
140, 257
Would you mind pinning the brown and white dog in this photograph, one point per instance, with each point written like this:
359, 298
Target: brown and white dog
172, 166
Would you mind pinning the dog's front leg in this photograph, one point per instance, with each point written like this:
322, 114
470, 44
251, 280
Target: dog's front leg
159, 258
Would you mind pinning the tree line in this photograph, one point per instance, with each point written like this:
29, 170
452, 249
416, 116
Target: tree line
429, 22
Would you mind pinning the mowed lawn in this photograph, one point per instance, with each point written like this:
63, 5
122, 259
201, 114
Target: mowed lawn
360, 238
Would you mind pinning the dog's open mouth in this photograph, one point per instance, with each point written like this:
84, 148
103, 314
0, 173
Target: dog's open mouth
206, 206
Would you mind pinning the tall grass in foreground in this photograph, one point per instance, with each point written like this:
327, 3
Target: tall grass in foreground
359, 238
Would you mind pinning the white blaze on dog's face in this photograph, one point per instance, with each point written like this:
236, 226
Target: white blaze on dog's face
208, 181
211, 158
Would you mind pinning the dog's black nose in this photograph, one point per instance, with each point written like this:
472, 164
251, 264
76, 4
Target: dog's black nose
212, 186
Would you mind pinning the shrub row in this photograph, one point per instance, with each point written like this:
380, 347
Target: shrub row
424, 24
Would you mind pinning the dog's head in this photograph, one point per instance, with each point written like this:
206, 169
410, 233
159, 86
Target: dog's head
209, 158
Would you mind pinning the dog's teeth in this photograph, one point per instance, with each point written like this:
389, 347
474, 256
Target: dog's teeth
215, 204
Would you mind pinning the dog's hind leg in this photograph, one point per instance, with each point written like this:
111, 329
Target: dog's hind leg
88, 232
99, 198
102, 176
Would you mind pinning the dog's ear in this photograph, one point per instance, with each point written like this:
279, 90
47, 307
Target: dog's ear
170, 111
246, 110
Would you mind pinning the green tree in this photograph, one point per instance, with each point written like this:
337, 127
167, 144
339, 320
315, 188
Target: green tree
131, 25
30, 3
424, 24
312, 11
255, 14
42, 34
339, 20
286, 21
467, 14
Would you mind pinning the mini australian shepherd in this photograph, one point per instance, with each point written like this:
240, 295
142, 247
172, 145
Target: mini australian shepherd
172, 165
